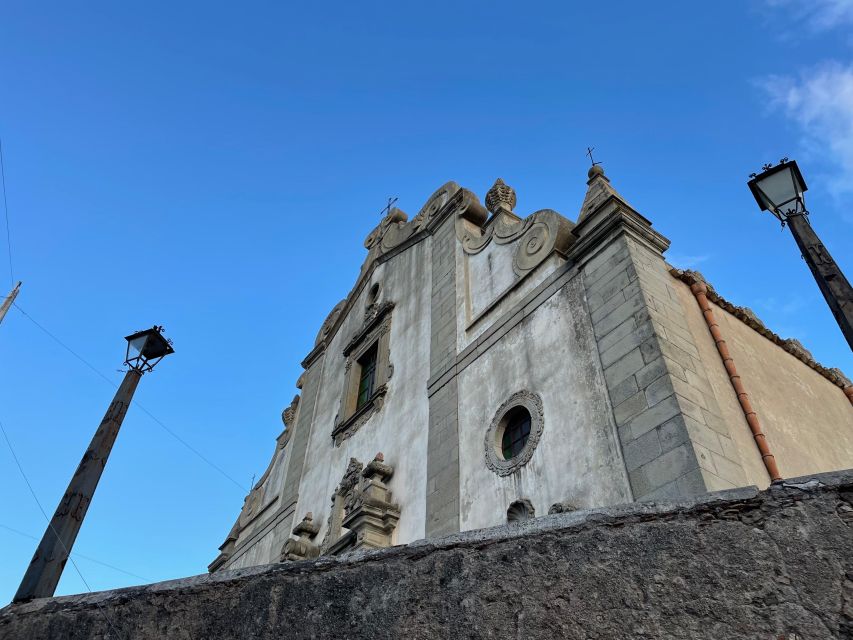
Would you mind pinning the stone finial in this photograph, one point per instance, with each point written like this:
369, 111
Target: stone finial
500, 196
306, 529
377, 469
301, 548
599, 191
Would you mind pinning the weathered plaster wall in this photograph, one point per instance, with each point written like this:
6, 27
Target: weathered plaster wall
807, 419
551, 352
487, 274
399, 428
473, 325
740, 565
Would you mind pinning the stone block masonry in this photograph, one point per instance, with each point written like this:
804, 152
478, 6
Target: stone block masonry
674, 441
442, 495
739, 564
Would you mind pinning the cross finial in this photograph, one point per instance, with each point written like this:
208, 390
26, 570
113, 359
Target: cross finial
589, 151
388, 206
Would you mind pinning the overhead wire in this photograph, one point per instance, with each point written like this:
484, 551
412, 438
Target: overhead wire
50, 526
80, 556
159, 422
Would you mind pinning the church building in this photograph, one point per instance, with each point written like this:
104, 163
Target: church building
492, 366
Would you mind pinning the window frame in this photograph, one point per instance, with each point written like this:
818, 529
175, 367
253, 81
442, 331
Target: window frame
493, 442
374, 333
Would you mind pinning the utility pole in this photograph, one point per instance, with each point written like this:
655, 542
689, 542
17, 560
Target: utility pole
828, 275
45, 570
10, 299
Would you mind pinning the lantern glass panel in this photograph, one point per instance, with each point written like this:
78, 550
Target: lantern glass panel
782, 192
137, 345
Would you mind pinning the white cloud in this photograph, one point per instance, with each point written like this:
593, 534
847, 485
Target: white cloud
681, 261
820, 102
817, 15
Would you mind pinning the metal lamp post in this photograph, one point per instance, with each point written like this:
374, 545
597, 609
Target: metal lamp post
144, 350
780, 190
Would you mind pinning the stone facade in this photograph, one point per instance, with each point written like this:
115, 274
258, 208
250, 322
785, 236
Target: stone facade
737, 564
466, 314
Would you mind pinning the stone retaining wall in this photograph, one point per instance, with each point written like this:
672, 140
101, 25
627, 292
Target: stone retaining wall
733, 564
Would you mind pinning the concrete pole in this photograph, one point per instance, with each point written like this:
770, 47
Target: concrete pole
52, 553
7, 303
833, 285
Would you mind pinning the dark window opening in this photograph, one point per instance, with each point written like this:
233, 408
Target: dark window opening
367, 377
516, 432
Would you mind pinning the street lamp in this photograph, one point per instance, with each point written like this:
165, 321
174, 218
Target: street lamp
144, 350
780, 190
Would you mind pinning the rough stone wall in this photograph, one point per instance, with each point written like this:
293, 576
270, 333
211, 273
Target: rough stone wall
739, 564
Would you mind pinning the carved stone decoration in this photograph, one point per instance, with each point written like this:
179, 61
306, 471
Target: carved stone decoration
436, 202
561, 507
495, 461
301, 548
394, 218
251, 505
500, 197
363, 514
372, 516
288, 417
539, 235
520, 510
342, 496
533, 248
329, 323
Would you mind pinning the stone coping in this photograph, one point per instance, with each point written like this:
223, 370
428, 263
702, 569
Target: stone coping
748, 317
715, 504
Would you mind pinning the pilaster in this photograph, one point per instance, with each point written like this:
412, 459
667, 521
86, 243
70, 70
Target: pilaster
674, 440
442, 495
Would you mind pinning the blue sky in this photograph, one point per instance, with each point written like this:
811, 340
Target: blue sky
215, 169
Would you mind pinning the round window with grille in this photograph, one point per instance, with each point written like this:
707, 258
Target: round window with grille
514, 432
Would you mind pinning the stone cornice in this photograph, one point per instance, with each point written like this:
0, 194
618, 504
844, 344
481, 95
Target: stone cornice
593, 230
835, 376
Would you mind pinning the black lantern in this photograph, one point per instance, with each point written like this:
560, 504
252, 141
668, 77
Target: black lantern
780, 189
146, 348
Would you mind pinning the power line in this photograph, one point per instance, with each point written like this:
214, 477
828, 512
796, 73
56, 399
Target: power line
134, 402
50, 526
81, 556
64, 346
6, 208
